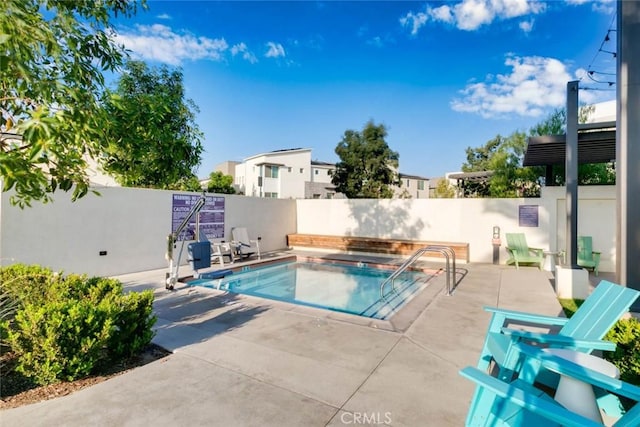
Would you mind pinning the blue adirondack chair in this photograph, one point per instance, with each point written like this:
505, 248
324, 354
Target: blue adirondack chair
521, 253
587, 257
583, 331
519, 403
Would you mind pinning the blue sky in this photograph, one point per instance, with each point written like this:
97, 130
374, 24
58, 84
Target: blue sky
441, 76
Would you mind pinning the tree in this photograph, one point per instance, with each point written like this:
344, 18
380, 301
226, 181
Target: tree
220, 183
152, 138
52, 56
367, 166
504, 156
444, 190
189, 183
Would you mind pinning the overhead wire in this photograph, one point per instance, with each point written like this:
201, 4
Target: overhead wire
590, 69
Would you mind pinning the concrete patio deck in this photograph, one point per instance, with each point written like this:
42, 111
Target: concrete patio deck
241, 361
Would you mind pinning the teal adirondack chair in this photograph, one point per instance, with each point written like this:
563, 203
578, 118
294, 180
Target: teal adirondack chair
587, 257
499, 403
521, 253
583, 331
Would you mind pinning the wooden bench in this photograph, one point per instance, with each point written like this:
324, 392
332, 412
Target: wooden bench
375, 245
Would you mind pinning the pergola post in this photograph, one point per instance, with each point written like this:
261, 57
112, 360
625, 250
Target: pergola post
628, 146
571, 175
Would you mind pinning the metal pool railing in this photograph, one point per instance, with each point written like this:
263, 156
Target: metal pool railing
446, 251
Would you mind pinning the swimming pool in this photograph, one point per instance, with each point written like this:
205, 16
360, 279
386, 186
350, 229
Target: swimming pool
351, 289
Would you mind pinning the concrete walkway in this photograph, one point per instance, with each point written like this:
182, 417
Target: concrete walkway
241, 361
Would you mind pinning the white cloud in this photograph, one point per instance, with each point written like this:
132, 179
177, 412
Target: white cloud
164, 16
376, 41
381, 41
159, 43
275, 50
470, 15
534, 85
605, 7
526, 26
247, 55
442, 13
414, 20
602, 6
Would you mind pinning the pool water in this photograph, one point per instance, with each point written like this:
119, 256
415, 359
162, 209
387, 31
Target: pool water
346, 288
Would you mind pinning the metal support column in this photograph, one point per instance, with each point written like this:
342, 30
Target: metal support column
571, 175
628, 146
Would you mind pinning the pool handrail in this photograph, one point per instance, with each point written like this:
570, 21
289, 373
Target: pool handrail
446, 251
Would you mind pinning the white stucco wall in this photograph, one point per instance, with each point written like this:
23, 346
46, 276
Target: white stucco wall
130, 224
467, 220
596, 218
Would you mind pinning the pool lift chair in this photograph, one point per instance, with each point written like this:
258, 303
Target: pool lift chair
244, 246
199, 251
219, 250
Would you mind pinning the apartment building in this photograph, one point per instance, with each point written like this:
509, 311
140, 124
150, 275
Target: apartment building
278, 174
290, 173
412, 187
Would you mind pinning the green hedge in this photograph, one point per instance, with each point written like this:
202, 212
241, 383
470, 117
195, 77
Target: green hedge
67, 327
626, 334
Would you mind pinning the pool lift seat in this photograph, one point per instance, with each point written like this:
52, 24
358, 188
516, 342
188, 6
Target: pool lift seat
244, 246
199, 252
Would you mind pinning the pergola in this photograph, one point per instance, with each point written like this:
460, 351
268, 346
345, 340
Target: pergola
596, 144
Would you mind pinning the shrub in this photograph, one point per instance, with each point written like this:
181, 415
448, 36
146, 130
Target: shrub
27, 283
60, 340
67, 327
133, 321
8, 307
626, 334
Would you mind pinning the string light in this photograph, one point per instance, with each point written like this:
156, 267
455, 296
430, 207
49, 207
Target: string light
593, 74
590, 75
599, 89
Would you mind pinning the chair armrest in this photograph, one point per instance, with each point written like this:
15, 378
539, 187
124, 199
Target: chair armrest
563, 340
528, 317
539, 251
529, 401
564, 367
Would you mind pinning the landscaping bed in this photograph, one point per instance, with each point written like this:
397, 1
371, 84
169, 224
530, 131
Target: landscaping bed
17, 390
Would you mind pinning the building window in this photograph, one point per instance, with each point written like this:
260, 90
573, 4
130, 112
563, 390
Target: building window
271, 195
408, 183
420, 185
316, 171
330, 195
289, 170
301, 170
271, 171
316, 196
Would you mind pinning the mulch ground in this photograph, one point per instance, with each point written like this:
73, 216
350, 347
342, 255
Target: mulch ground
17, 390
